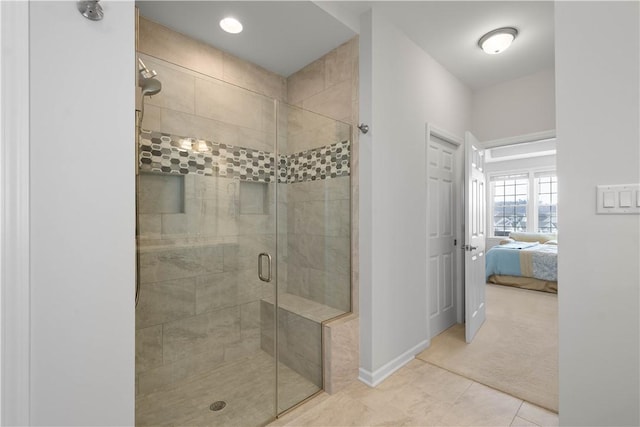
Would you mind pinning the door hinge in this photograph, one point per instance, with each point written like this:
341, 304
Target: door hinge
455, 242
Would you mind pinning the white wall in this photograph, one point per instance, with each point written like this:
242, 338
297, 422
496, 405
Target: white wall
598, 143
407, 89
517, 107
82, 215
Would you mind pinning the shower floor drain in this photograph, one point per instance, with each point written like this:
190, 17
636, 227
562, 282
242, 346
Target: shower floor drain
218, 405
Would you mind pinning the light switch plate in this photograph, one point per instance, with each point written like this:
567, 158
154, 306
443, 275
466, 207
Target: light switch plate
609, 199
618, 199
625, 198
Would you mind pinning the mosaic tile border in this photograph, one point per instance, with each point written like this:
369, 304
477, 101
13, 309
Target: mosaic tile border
160, 152
166, 153
318, 163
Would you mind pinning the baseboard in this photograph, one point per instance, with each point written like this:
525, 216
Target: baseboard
372, 379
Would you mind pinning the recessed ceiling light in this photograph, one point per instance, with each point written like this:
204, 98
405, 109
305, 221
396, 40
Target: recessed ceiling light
231, 25
497, 41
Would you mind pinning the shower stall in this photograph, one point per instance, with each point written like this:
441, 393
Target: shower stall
243, 238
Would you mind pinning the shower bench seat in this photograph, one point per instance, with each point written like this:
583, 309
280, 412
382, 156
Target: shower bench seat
304, 307
299, 332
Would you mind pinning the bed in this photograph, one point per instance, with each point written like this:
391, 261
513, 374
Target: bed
525, 260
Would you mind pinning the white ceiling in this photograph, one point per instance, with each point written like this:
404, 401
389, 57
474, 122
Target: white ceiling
281, 36
285, 36
449, 32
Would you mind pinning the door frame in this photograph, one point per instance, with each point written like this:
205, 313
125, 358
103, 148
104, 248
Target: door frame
458, 142
14, 214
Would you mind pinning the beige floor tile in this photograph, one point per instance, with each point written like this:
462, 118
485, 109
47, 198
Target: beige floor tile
538, 415
521, 422
447, 387
419, 394
482, 406
342, 410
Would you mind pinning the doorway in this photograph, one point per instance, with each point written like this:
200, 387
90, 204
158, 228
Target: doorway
516, 349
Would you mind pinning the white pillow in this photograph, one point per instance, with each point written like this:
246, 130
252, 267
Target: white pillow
532, 237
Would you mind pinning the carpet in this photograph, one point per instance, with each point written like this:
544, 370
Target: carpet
515, 351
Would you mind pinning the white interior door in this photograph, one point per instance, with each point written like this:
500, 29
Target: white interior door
441, 198
475, 234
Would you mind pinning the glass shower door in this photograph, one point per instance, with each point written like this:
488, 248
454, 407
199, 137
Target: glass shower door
206, 197
314, 244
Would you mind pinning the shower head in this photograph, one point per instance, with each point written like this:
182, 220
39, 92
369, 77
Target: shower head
146, 81
150, 86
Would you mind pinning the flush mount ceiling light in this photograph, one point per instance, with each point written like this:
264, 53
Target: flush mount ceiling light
497, 41
231, 25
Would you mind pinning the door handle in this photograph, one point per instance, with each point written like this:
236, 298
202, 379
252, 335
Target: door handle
260, 275
469, 248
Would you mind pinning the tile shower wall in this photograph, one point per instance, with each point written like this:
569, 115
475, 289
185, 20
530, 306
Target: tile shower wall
200, 296
202, 303
319, 227
330, 86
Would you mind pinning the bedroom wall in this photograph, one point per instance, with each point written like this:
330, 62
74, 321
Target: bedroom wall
402, 88
517, 107
598, 124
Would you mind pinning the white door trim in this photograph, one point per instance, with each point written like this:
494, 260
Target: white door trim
519, 139
458, 142
14, 214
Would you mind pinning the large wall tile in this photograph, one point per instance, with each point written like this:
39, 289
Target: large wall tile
334, 288
201, 334
334, 102
178, 88
250, 318
328, 218
169, 374
179, 262
148, 348
220, 101
341, 353
161, 42
338, 254
338, 64
227, 289
184, 124
244, 254
307, 251
174, 225
149, 225
162, 302
299, 345
306, 82
253, 77
328, 189
168, 264
152, 119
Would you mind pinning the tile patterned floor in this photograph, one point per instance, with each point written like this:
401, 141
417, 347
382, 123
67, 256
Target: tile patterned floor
419, 394
247, 385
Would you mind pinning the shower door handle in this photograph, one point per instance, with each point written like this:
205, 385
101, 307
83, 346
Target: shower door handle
260, 275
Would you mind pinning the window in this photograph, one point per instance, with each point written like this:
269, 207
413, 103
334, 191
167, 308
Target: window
547, 203
524, 202
510, 201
